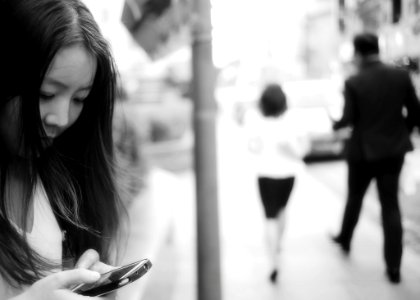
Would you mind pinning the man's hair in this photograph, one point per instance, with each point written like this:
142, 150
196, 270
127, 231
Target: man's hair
366, 44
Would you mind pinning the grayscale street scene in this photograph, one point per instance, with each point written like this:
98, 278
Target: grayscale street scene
229, 149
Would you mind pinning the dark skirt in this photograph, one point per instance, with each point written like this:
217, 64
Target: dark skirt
275, 193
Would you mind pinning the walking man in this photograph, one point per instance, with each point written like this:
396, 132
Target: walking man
381, 107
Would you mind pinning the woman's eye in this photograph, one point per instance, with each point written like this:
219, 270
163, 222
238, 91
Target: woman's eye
79, 100
46, 96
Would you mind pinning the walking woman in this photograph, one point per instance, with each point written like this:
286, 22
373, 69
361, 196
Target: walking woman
278, 148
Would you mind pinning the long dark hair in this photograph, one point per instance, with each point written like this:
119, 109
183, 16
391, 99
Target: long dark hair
77, 171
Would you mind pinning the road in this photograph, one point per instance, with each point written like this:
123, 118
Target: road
333, 175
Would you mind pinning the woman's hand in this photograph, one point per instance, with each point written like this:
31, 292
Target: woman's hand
57, 286
90, 260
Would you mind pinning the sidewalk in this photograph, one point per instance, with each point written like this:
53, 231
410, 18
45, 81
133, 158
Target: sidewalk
312, 267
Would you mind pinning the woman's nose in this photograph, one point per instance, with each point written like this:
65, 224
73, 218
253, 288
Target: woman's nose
58, 114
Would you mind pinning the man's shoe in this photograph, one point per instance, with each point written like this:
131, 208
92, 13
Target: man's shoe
343, 245
393, 275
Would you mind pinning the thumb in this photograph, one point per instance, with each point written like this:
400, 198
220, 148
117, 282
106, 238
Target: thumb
66, 279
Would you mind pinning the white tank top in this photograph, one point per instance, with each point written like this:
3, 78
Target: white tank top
45, 237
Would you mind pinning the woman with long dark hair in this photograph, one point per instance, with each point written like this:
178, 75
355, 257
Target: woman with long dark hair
59, 206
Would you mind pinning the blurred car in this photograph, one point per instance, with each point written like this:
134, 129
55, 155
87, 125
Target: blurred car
408, 63
313, 105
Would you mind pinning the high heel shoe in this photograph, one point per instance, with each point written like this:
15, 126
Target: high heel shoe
273, 276
343, 245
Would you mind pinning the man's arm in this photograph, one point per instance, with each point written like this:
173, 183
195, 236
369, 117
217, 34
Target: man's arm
412, 105
348, 110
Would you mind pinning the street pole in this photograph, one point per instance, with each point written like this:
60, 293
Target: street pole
208, 249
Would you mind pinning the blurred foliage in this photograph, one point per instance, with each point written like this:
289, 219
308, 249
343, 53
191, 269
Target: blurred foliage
141, 131
161, 121
169, 121
131, 166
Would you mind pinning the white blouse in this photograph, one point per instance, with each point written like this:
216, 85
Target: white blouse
45, 237
276, 143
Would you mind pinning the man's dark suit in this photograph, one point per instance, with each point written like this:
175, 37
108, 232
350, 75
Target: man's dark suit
381, 106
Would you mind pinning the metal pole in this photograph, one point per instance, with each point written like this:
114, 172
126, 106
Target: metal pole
208, 249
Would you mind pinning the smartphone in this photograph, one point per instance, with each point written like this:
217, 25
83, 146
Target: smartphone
114, 279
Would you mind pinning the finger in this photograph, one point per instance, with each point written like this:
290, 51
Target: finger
88, 259
69, 295
101, 268
70, 278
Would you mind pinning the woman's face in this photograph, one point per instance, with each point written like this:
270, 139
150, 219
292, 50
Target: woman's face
65, 88
63, 92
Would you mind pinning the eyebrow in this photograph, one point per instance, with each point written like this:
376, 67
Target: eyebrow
62, 85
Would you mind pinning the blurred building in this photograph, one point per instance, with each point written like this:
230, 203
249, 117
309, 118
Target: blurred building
397, 23
322, 39
273, 40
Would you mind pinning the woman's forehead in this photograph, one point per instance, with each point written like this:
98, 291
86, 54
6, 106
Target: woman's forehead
73, 66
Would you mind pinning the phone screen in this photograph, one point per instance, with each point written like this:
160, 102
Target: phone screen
114, 279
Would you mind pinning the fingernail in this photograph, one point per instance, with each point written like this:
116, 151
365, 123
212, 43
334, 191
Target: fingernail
93, 275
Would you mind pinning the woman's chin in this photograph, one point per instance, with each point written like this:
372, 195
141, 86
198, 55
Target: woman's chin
47, 142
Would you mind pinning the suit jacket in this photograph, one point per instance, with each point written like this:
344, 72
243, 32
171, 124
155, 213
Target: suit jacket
381, 106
